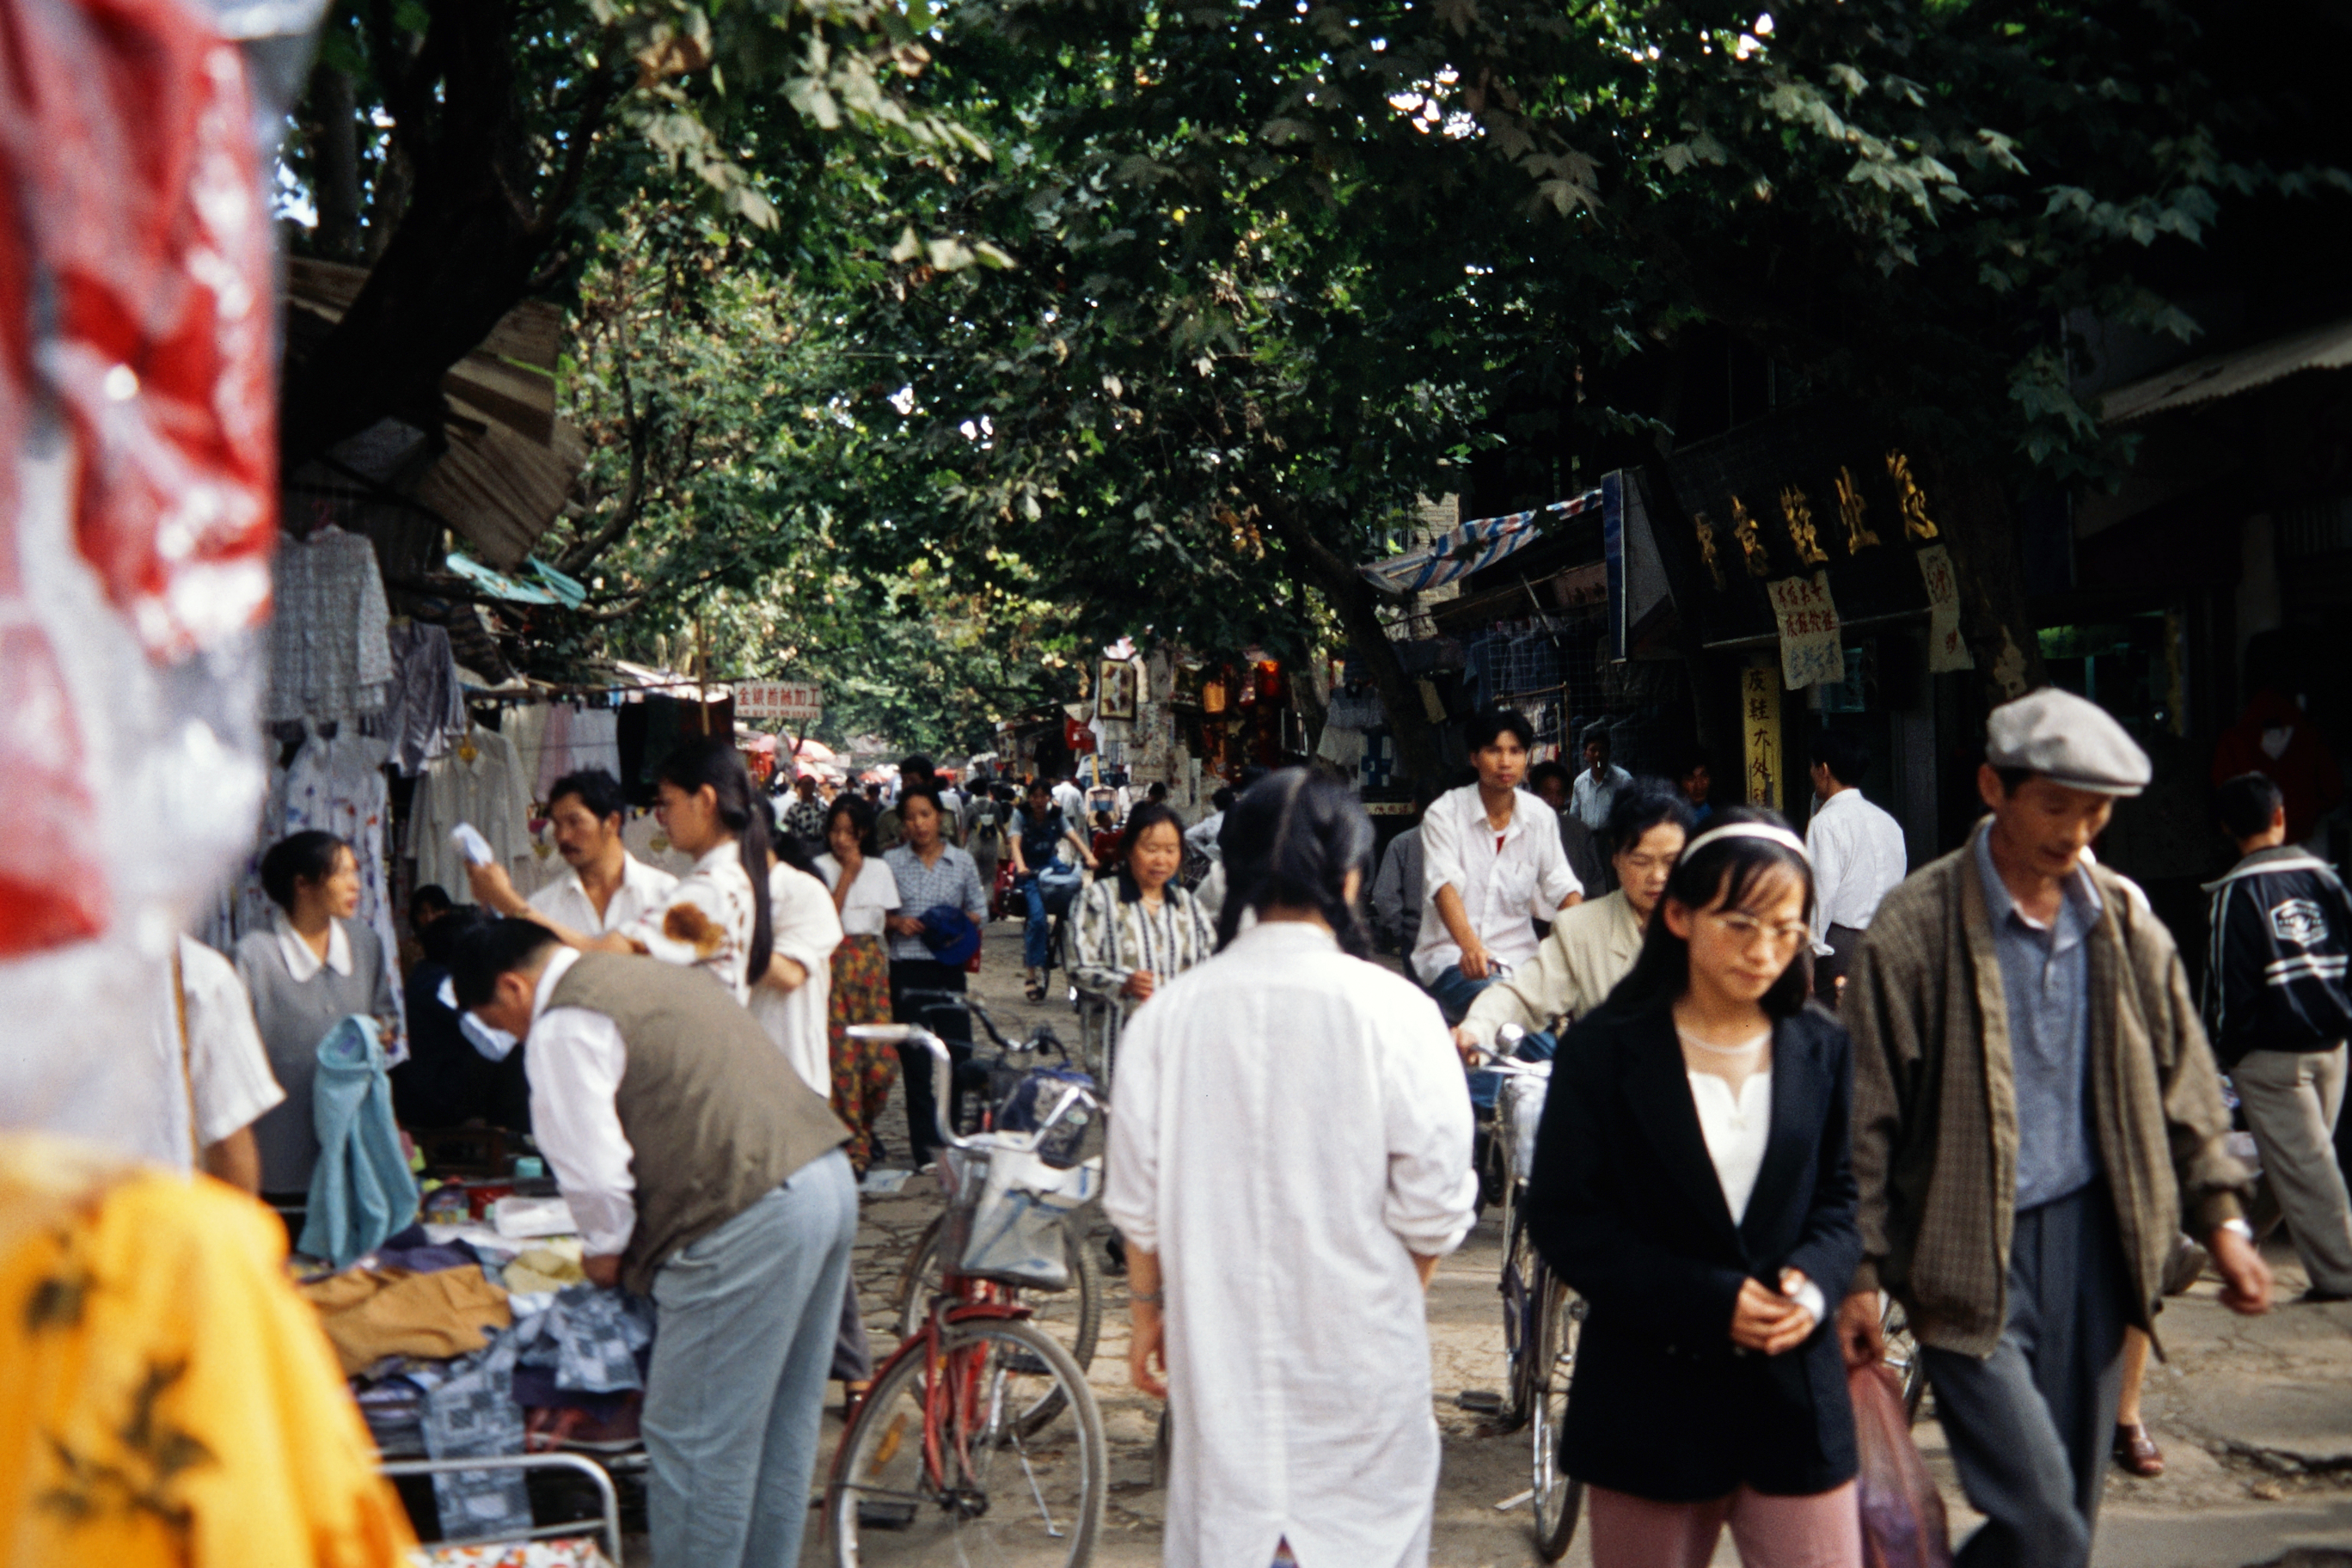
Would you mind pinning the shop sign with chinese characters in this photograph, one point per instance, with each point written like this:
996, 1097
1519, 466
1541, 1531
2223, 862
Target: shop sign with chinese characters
779, 700
1810, 651
1946, 648
1760, 732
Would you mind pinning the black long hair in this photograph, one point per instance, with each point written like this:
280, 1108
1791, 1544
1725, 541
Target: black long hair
1740, 870
861, 817
710, 760
1140, 821
306, 856
1292, 838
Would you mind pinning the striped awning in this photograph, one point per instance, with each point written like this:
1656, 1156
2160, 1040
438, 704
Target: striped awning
1472, 547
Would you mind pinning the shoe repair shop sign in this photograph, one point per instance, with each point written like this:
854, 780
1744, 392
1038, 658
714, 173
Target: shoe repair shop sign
1801, 529
779, 700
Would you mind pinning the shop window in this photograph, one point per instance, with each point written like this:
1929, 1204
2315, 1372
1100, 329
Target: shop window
2135, 668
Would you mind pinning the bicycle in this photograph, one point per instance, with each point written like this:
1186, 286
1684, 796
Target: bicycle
1543, 1317
1071, 1314
958, 1453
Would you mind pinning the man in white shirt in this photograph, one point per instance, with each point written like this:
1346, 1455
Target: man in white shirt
607, 888
1598, 784
1857, 853
1491, 865
1071, 799
206, 1029
704, 1174
1202, 835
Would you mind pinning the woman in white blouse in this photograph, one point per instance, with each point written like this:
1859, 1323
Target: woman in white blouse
1276, 1259
790, 999
717, 918
1691, 1182
864, 895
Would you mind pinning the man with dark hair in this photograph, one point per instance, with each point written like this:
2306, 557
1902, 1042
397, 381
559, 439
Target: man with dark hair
704, 1173
912, 770
1599, 782
2276, 1005
606, 888
1491, 865
1396, 889
1202, 835
1857, 854
1552, 784
2036, 1118
805, 818
1696, 778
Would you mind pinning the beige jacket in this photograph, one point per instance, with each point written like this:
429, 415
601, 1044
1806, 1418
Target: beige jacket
1591, 948
1935, 1106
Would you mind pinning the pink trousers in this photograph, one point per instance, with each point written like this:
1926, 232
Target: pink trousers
1822, 1530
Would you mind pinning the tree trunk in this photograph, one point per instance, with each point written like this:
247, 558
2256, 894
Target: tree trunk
1352, 599
1978, 520
335, 163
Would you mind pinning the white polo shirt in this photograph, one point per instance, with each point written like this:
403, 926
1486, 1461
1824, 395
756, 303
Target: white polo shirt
1503, 886
643, 888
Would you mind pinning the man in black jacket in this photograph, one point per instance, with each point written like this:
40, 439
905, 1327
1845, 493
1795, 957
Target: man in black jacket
2277, 1010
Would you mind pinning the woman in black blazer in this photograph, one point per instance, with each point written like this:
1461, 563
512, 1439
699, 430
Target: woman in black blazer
1690, 1182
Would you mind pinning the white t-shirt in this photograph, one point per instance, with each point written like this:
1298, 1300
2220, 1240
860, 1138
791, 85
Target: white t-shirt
801, 910
228, 1069
873, 898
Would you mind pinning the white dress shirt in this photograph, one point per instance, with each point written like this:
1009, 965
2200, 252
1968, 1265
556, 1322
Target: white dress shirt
1503, 887
1071, 800
1858, 856
643, 888
228, 1080
1591, 798
807, 931
301, 961
574, 1065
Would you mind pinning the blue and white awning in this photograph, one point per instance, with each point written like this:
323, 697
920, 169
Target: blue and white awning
1472, 547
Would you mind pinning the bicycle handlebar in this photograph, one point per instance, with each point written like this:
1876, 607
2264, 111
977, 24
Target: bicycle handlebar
943, 1077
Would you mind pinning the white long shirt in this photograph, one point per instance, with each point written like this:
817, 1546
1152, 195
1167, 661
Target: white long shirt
1858, 856
1297, 1345
807, 931
573, 1064
1503, 887
643, 888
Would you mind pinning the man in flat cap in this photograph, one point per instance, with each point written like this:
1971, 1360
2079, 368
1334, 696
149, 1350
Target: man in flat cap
2036, 1116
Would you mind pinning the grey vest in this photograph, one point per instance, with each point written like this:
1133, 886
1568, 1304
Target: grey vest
717, 1116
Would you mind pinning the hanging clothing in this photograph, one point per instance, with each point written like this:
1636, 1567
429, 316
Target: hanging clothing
644, 836
1115, 937
707, 921
807, 931
337, 787
360, 1188
329, 629
425, 711
486, 789
297, 999
1311, 1424
143, 1319
577, 738
525, 726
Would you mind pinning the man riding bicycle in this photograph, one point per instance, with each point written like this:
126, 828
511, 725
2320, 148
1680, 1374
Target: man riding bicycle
1046, 856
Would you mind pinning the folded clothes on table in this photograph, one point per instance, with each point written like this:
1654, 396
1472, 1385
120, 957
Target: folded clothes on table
373, 1313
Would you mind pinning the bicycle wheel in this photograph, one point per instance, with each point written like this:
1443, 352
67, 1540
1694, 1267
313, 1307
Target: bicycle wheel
1520, 1278
1073, 1317
970, 1485
1903, 1355
1559, 1498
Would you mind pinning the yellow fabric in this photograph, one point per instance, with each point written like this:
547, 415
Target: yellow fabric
165, 1398
371, 1313
550, 1267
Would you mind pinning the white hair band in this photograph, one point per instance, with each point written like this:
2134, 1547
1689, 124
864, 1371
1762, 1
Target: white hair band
1779, 836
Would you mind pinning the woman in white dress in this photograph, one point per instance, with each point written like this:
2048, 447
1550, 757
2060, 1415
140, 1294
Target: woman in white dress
1289, 1158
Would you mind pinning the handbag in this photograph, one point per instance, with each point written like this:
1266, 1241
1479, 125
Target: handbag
1903, 1523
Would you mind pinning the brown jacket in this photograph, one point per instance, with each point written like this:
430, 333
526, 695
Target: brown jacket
1935, 1101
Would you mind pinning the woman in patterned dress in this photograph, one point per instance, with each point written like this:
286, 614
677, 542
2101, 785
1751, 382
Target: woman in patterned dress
1135, 932
863, 894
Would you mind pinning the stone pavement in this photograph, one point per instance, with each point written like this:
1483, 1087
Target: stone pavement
2254, 1416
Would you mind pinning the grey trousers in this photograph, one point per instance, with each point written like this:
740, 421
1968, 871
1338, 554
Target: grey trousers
735, 1397
2030, 1425
2292, 1100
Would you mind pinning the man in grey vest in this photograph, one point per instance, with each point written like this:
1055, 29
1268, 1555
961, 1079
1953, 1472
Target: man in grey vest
705, 1173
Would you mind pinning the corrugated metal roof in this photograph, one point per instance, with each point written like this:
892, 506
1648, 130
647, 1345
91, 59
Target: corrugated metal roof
2227, 375
1472, 547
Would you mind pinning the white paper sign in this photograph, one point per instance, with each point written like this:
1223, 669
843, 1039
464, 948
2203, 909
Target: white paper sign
779, 700
1947, 649
1809, 652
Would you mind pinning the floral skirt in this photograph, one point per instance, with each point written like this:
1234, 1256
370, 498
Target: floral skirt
862, 1069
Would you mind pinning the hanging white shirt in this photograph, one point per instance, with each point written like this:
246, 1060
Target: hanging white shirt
1297, 1339
643, 888
1503, 887
807, 931
1858, 858
574, 1065
487, 790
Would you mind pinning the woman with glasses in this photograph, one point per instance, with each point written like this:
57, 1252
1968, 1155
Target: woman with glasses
1691, 1182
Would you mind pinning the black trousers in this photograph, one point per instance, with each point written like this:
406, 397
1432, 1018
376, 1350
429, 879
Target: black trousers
950, 1024
1845, 943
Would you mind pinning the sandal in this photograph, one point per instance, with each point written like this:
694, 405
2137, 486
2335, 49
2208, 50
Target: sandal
2136, 1451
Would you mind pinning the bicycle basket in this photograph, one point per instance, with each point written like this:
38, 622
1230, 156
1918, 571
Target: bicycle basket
1027, 1099
1005, 1215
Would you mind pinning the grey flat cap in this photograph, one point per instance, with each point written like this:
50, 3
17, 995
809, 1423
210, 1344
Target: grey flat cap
2071, 740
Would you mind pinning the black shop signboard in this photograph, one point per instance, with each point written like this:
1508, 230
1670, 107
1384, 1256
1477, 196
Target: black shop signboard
1800, 525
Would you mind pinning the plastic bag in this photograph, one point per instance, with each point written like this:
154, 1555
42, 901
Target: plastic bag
1903, 1523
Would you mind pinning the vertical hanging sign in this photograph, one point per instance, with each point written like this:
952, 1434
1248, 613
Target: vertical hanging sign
1759, 731
1947, 649
1810, 650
